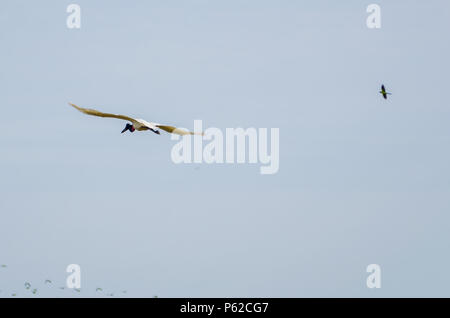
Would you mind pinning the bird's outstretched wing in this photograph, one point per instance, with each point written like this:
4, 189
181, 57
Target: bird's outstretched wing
382, 88
94, 112
178, 131
384, 95
137, 122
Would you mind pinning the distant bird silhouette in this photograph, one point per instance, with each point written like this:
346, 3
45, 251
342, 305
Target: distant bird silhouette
383, 92
34, 291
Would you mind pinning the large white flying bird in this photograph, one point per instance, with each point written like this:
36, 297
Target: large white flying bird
137, 124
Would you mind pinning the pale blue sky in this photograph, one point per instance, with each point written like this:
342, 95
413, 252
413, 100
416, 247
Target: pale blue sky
362, 180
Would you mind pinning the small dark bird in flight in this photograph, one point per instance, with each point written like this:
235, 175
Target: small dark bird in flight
383, 92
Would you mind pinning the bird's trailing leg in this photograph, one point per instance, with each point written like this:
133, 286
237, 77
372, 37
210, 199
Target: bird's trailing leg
155, 131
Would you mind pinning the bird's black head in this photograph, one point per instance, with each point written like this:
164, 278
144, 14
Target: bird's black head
128, 127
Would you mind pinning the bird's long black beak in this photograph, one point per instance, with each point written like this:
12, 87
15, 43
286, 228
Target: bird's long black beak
127, 127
